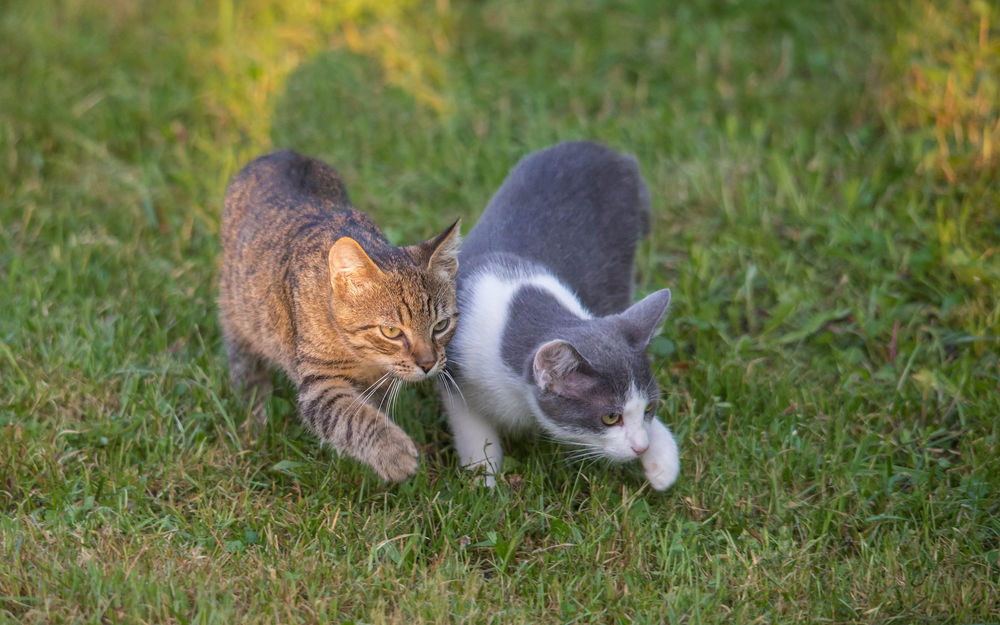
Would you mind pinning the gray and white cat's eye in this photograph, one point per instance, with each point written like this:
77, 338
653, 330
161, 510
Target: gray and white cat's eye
611, 419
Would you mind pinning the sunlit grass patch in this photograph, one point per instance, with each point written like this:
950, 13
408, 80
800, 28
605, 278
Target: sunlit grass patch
944, 84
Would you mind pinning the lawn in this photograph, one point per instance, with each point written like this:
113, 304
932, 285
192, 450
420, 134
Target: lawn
826, 192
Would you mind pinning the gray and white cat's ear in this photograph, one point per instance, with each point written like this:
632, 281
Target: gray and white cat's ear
440, 254
559, 368
642, 319
350, 264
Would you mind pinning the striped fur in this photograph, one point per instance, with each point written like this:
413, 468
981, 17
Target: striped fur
309, 285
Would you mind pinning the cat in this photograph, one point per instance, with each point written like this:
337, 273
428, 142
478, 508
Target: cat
549, 338
311, 286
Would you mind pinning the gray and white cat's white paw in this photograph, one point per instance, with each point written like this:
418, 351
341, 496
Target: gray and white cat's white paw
476, 440
487, 479
660, 461
487, 468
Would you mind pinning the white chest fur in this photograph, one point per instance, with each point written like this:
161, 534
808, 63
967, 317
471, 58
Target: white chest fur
495, 397
491, 388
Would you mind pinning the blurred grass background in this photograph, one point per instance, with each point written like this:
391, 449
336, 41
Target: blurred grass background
827, 212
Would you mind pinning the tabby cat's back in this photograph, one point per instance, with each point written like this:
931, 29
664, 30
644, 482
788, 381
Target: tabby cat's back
282, 213
285, 193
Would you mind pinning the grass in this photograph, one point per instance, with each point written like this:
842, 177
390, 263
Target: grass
826, 190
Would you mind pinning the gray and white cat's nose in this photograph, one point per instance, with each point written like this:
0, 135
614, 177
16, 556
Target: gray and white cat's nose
638, 441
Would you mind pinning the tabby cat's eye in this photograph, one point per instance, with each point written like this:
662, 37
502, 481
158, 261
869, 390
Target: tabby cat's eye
390, 332
441, 325
611, 418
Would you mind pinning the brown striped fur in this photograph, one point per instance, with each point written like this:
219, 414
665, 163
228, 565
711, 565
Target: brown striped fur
307, 285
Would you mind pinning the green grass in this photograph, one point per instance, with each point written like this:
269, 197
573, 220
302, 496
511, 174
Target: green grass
826, 192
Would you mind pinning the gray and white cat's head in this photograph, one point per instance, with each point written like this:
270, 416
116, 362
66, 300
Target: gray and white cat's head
593, 385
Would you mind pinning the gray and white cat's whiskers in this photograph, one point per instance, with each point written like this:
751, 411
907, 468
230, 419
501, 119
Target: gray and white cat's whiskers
587, 457
587, 453
652, 390
582, 451
587, 461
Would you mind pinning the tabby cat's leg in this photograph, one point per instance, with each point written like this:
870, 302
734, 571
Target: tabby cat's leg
250, 375
340, 416
660, 461
476, 440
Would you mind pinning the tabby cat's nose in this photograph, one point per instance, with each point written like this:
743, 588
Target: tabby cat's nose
426, 365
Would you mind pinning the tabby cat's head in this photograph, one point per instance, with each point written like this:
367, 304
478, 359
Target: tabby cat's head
593, 387
398, 313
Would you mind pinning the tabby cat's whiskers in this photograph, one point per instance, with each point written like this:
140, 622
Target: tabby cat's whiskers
390, 399
362, 399
451, 383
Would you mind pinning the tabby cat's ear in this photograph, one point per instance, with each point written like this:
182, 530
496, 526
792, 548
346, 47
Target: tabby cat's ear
642, 319
440, 254
559, 368
350, 265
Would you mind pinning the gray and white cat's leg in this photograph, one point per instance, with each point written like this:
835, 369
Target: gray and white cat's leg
660, 461
250, 375
476, 440
343, 418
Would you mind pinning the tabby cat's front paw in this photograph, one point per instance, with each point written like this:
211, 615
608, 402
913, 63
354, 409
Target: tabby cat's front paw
395, 457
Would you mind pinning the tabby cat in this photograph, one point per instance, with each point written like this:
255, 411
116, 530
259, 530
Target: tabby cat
549, 337
311, 286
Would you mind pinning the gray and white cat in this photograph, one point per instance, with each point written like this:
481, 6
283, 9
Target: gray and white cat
548, 337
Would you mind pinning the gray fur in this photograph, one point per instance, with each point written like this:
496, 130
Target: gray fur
577, 209
555, 247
